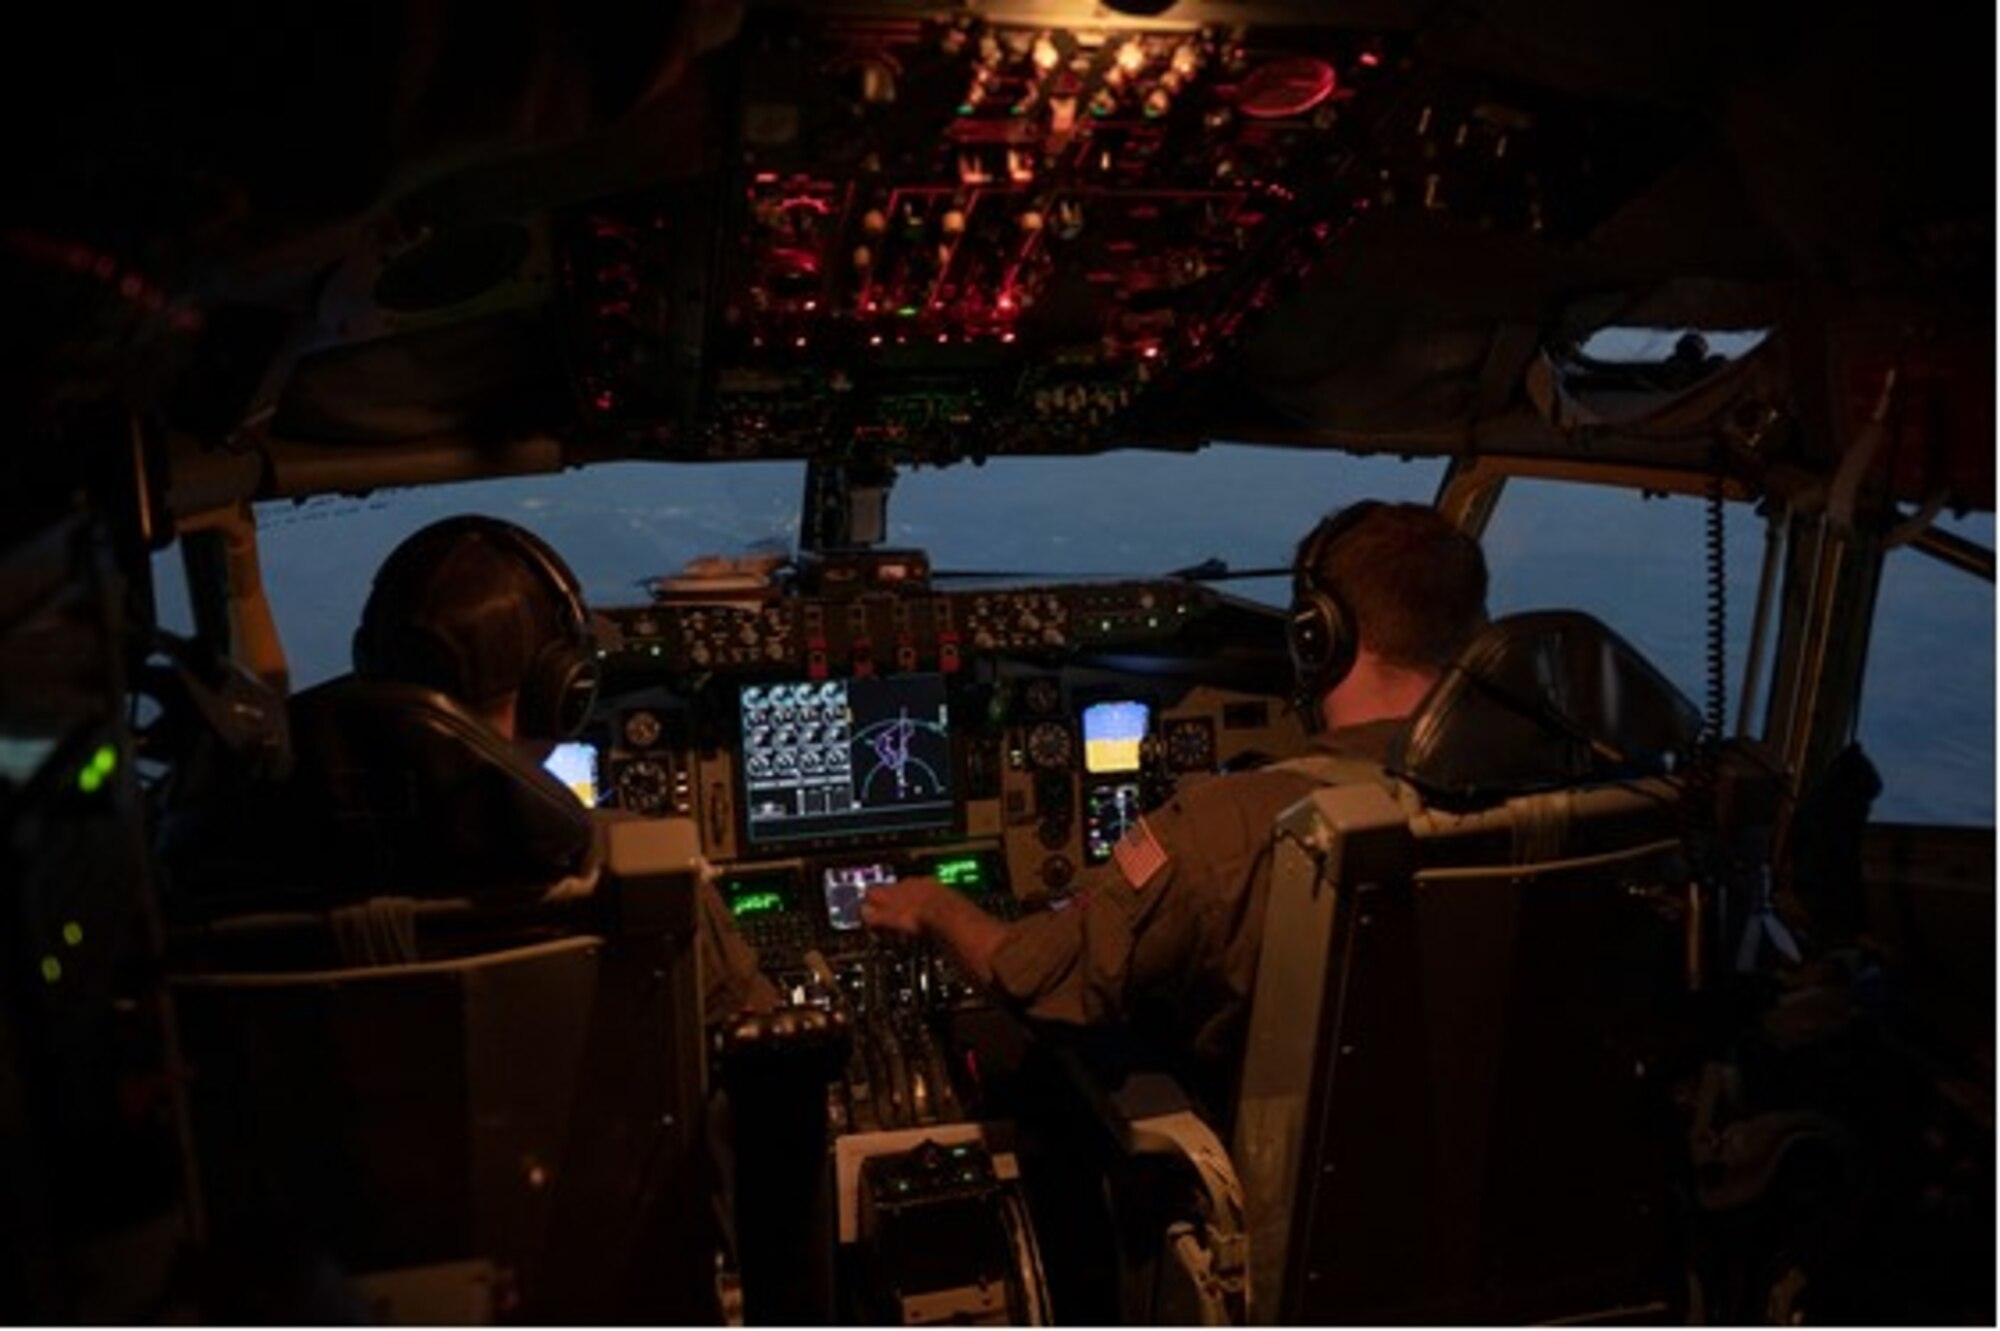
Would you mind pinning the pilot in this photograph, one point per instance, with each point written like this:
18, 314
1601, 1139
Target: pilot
486, 613
1166, 934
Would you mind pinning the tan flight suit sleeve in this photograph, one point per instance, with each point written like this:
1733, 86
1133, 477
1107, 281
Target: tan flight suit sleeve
1191, 927
1077, 964
731, 981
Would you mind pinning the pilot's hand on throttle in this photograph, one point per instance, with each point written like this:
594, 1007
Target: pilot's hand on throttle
901, 907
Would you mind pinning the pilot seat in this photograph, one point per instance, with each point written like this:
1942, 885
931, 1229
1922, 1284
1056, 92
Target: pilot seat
1453, 1105
470, 1099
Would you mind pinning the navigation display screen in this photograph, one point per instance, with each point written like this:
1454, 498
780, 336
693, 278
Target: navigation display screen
845, 757
1112, 734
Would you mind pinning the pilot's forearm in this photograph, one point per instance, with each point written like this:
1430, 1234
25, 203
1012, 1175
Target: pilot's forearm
969, 933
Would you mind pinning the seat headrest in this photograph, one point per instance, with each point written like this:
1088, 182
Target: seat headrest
407, 792
1539, 701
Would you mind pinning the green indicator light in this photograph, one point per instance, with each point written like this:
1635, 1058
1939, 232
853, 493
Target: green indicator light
756, 903
1152, 621
908, 311
98, 770
51, 969
73, 934
965, 108
958, 873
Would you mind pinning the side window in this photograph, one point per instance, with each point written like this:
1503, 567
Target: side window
170, 592
1637, 563
1927, 697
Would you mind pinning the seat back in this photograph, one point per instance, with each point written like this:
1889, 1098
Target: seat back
535, 1111
398, 790
1451, 1107
399, 1115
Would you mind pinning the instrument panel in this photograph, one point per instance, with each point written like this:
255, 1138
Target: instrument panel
998, 740
1036, 722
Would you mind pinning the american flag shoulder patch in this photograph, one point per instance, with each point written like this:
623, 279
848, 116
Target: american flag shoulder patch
1139, 855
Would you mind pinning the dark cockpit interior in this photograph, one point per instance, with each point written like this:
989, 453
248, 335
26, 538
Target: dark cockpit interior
332, 1005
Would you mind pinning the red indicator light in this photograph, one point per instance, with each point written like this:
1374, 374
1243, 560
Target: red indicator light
1370, 60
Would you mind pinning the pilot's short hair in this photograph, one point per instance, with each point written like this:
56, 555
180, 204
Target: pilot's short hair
1414, 584
467, 606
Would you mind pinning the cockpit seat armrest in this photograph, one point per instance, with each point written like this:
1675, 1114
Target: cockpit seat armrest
652, 868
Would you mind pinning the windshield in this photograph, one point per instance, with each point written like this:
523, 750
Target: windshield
615, 524
1142, 512
1927, 713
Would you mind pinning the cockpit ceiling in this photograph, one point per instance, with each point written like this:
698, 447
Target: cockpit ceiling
720, 230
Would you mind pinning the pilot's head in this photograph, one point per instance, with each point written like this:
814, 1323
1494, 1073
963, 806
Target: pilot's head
485, 612
1384, 596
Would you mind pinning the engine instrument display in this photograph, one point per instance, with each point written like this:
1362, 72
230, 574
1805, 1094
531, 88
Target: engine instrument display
849, 757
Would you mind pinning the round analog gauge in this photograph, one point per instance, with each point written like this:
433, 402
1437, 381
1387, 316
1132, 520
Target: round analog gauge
1042, 696
642, 729
1050, 747
1190, 746
642, 786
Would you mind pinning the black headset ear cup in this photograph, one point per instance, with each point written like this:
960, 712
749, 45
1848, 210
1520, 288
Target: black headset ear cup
1320, 632
558, 692
560, 686
1320, 635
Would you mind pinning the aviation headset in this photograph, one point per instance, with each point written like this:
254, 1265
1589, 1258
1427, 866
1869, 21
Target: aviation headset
1320, 632
559, 683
